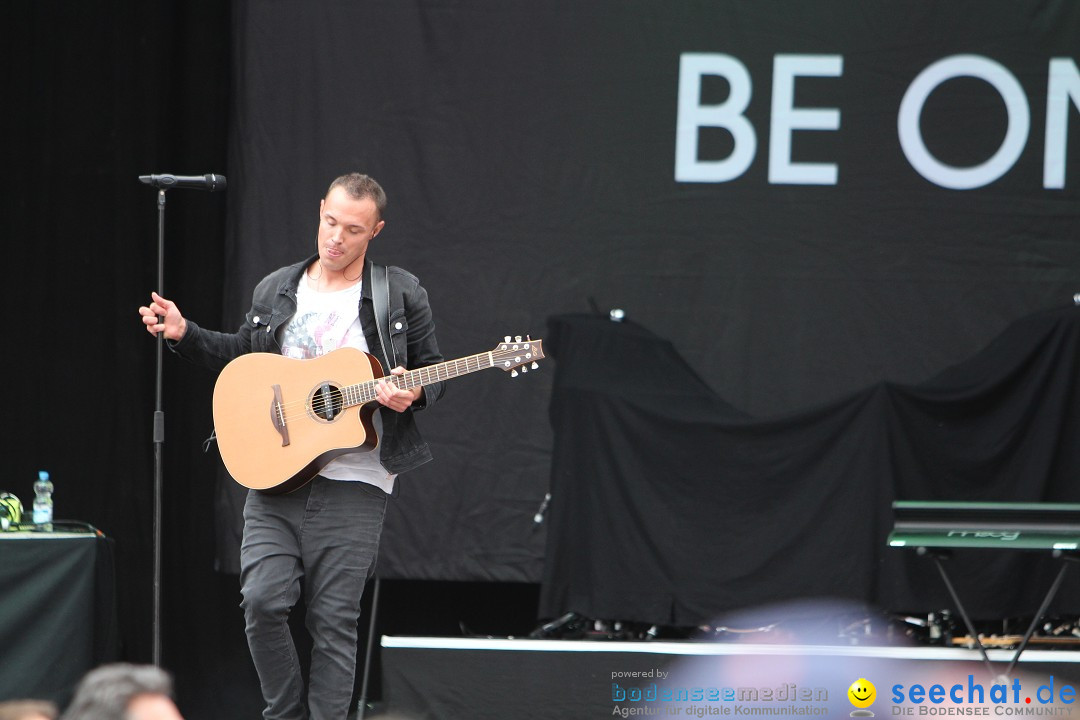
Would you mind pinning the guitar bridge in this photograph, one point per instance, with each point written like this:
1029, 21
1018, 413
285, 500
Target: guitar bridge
277, 416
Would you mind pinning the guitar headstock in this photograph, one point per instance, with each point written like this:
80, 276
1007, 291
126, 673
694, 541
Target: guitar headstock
513, 353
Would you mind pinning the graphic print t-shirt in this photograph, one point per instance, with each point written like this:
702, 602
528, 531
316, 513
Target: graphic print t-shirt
324, 322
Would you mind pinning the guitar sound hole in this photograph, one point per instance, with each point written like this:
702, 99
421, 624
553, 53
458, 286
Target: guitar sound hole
326, 402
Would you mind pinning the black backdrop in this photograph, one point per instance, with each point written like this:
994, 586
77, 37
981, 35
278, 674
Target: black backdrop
530, 157
97, 94
529, 154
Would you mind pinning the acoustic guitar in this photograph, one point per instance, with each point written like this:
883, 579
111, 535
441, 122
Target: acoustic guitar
280, 420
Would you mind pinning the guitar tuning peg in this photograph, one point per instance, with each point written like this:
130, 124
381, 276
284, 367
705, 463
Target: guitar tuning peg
517, 338
506, 339
534, 366
513, 373
524, 369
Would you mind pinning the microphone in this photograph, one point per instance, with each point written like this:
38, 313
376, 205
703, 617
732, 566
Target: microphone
209, 181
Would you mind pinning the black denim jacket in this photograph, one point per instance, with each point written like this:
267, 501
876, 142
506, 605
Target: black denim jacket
412, 340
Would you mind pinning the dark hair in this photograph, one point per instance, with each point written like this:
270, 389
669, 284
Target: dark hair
360, 186
104, 692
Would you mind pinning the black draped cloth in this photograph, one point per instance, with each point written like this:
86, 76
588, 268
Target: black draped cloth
670, 506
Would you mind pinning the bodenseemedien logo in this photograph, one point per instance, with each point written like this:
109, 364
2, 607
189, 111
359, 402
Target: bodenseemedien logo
787, 699
862, 694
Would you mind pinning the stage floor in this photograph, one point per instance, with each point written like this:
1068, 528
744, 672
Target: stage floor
446, 678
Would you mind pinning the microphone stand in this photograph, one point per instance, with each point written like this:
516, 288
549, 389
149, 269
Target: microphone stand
211, 182
159, 438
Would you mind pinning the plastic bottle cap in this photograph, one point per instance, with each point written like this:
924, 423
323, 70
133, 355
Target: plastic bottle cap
43, 475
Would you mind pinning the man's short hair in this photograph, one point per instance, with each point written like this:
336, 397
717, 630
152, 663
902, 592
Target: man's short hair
359, 186
104, 692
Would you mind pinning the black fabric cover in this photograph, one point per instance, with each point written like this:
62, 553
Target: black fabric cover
57, 613
670, 506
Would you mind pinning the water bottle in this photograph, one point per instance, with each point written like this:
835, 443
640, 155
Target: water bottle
43, 503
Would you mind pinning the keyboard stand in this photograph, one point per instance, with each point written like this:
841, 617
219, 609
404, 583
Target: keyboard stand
938, 555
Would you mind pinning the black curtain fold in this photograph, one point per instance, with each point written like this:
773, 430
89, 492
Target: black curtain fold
674, 508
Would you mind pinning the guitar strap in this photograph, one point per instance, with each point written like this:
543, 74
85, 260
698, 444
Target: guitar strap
380, 299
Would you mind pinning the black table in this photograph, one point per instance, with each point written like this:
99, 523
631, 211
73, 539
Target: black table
57, 611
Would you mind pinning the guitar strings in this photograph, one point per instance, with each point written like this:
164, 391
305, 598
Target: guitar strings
365, 391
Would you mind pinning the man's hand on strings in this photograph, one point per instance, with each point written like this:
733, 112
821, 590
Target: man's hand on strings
393, 397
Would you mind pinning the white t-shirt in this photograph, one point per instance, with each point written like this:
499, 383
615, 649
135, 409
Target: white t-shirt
326, 321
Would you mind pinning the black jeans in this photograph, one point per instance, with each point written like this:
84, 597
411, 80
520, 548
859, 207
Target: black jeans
327, 533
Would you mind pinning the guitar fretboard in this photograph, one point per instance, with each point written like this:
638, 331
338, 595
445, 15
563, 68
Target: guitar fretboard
364, 392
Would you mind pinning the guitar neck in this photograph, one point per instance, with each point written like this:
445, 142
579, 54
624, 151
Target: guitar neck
444, 371
364, 392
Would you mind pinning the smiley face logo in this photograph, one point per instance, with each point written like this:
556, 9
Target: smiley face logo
862, 693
